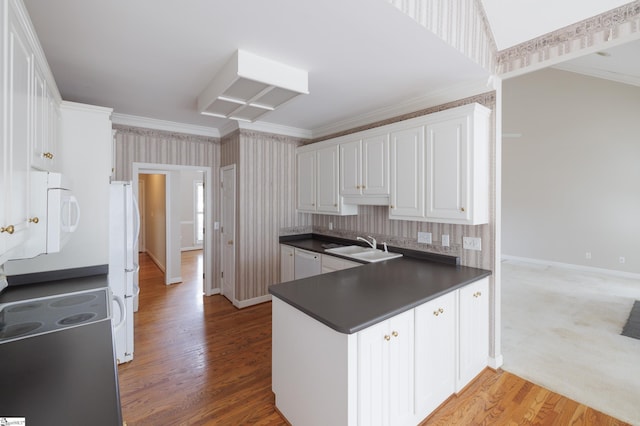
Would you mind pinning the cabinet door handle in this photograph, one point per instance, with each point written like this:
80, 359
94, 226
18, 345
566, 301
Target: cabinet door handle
477, 294
9, 229
230, 242
48, 155
461, 209
394, 333
438, 312
387, 337
392, 207
34, 220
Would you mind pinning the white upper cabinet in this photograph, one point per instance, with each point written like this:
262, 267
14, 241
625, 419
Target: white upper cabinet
407, 174
29, 111
364, 170
457, 165
318, 182
46, 116
17, 94
432, 168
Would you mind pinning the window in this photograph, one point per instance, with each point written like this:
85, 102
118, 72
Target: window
199, 211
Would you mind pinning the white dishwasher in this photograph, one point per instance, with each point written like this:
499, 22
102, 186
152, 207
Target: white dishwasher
307, 263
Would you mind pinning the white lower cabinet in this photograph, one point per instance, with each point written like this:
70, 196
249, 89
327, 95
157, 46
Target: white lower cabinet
287, 263
395, 372
435, 353
385, 372
473, 350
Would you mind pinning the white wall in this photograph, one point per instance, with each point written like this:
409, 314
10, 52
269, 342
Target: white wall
187, 208
571, 182
155, 218
85, 158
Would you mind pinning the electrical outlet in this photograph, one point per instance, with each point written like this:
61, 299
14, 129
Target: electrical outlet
621, 259
330, 226
587, 255
445, 240
424, 237
472, 243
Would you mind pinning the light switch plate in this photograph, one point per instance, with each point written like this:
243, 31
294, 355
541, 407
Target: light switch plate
445, 240
424, 237
472, 243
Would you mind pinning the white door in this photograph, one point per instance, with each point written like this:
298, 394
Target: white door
228, 231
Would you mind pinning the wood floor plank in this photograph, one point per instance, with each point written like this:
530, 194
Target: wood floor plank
200, 361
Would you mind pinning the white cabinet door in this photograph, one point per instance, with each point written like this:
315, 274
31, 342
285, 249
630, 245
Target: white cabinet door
407, 174
328, 196
16, 142
385, 372
473, 331
435, 353
447, 170
457, 164
306, 173
375, 165
287, 262
350, 174
40, 117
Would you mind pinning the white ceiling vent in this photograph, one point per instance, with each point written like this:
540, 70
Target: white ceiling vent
249, 86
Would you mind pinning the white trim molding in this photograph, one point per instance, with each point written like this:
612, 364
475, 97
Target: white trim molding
169, 126
250, 302
582, 268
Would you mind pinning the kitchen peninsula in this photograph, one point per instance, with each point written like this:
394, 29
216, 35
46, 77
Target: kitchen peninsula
380, 343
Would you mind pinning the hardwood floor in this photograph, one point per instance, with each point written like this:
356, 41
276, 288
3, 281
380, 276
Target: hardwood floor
200, 361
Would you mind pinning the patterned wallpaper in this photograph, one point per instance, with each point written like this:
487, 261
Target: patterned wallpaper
265, 204
134, 144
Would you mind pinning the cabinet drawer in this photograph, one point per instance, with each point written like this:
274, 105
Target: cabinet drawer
332, 263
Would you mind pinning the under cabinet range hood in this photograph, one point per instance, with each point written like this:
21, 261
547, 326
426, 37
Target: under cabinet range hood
249, 86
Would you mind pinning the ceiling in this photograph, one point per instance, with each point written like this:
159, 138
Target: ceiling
152, 58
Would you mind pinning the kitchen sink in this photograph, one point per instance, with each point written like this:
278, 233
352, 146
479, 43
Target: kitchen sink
376, 255
366, 254
349, 250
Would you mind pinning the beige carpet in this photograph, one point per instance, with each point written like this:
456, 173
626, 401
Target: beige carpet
561, 330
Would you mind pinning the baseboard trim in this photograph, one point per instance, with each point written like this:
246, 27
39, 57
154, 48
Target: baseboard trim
496, 362
212, 291
174, 280
582, 268
192, 248
250, 302
156, 261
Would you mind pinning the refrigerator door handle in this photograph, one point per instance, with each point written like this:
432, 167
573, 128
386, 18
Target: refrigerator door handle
123, 313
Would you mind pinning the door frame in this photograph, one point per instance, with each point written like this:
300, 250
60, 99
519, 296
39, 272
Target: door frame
207, 258
224, 169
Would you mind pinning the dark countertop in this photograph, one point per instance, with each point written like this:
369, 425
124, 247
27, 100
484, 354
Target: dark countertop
44, 289
354, 299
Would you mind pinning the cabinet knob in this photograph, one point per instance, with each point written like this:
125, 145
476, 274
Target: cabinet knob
34, 220
387, 337
364, 187
461, 209
290, 254
313, 204
394, 333
357, 186
9, 229
48, 155
335, 205
477, 294
230, 242
438, 312
392, 207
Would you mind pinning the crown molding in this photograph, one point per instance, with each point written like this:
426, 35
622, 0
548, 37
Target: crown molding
435, 98
85, 107
170, 126
260, 126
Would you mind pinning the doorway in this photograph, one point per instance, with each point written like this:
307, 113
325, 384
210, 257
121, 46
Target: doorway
228, 231
172, 203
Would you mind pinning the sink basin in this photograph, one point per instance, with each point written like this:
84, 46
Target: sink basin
376, 256
366, 254
349, 250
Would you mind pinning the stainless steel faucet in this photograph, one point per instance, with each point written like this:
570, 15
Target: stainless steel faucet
373, 243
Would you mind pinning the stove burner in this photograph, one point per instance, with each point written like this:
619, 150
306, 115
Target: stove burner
16, 330
72, 300
76, 319
24, 307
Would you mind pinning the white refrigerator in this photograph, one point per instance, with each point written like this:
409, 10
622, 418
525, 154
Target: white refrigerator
124, 227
